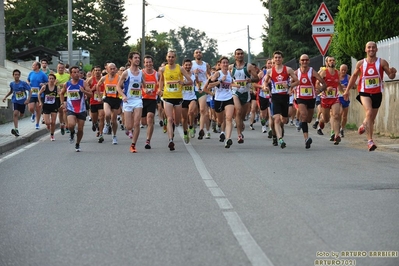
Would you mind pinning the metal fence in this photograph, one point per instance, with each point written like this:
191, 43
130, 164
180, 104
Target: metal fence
389, 50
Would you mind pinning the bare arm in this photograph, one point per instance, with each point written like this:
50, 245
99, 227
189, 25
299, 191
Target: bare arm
161, 80
187, 76
390, 71
42, 89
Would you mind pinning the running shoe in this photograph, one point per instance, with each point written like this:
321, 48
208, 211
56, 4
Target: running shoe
77, 147
371, 146
43, 122
342, 133
93, 127
161, 123
228, 143
62, 129
320, 132
191, 132
299, 126
141, 126
32, 118
109, 130
240, 139
282, 143
186, 139
171, 146
222, 137
147, 145
361, 130
15, 132
270, 134
201, 134
133, 148
67, 131
308, 142
292, 123
71, 140
105, 130
332, 137
251, 126
275, 141
264, 129
52, 138
101, 139
214, 126
315, 124
165, 126
337, 140
208, 135
321, 124
114, 140
37, 126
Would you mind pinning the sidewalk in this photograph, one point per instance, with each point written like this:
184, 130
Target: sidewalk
26, 130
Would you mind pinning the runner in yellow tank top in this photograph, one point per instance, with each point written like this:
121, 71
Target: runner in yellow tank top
171, 81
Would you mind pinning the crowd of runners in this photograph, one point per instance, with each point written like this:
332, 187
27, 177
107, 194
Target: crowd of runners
200, 98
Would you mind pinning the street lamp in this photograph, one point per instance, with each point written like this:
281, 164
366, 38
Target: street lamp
143, 33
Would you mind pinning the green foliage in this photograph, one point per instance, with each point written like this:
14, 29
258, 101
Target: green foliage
87, 68
289, 26
186, 40
361, 21
339, 54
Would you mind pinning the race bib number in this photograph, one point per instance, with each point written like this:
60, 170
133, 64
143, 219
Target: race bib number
372, 82
73, 95
188, 88
332, 93
110, 89
225, 85
49, 99
241, 83
19, 95
172, 86
35, 91
135, 93
280, 87
96, 97
150, 87
306, 91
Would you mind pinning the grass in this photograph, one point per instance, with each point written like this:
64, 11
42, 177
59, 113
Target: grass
351, 126
393, 136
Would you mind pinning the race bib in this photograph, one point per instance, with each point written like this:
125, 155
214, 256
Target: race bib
172, 86
35, 91
49, 99
188, 88
306, 91
20, 95
332, 93
73, 95
372, 82
280, 87
150, 87
96, 97
134, 93
110, 89
241, 83
225, 85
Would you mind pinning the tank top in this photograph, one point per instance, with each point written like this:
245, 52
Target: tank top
240, 75
133, 85
49, 96
344, 82
202, 77
172, 88
188, 90
305, 90
110, 86
223, 91
75, 97
151, 85
96, 99
371, 77
278, 80
332, 80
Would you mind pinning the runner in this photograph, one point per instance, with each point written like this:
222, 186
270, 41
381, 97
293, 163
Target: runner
130, 87
202, 71
371, 71
36, 80
306, 95
96, 103
171, 81
243, 75
282, 80
49, 105
75, 108
62, 78
19, 100
330, 101
264, 97
111, 99
189, 106
150, 94
344, 79
224, 104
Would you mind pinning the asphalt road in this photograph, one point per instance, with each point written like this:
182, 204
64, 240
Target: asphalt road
202, 204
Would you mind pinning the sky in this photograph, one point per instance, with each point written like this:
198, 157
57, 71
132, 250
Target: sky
223, 20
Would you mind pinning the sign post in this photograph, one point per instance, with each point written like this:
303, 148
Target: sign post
322, 29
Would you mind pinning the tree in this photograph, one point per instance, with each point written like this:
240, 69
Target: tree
361, 21
156, 45
289, 26
33, 23
186, 40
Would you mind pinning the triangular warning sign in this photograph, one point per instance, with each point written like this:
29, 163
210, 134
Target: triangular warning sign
323, 42
323, 16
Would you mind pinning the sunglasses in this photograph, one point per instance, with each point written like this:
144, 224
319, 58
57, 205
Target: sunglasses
304, 59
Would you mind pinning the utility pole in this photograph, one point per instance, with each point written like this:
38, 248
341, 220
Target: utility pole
2, 36
249, 46
70, 38
143, 36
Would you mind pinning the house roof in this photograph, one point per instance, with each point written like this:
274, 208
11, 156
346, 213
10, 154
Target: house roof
40, 51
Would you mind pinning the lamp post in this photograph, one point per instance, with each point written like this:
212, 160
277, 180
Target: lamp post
143, 32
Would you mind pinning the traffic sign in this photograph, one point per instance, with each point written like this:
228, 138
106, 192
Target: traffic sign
323, 16
323, 28
323, 42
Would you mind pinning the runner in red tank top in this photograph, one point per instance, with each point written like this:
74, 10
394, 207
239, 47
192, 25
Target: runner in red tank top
96, 103
370, 87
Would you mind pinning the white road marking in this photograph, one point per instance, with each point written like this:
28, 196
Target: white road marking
248, 244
